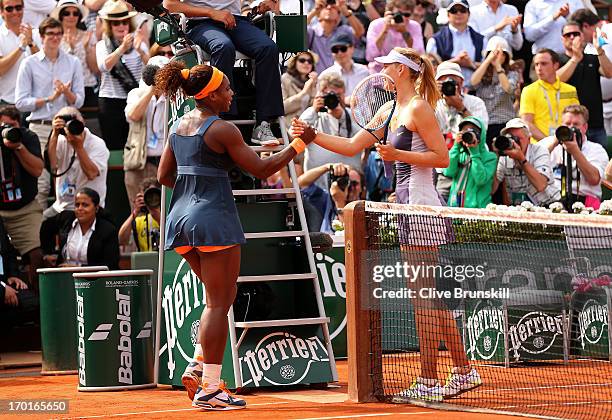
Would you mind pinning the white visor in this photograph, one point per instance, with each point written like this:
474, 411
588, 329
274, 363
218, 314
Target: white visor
395, 57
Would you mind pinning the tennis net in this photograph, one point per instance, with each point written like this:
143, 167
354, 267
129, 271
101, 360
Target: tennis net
482, 310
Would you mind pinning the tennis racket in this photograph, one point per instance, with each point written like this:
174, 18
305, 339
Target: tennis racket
373, 103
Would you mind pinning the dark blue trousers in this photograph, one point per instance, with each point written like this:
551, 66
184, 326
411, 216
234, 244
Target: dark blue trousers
222, 44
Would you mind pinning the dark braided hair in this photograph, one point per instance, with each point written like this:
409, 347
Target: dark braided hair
169, 78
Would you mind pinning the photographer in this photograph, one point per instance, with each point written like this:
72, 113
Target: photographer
77, 159
328, 26
452, 108
525, 167
589, 159
21, 164
143, 222
395, 29
323, 205
471, 166
328, 115
144, 113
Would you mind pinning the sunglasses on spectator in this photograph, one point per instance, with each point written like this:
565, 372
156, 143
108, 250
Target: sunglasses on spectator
304, 60
53, 33
339, 48
571, 34
405, 14
9, 9
455, 10
119, 22
65, 13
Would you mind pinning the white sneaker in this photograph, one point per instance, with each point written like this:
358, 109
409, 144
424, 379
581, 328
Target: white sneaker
458, 383
423, 392
262, 134
218, 400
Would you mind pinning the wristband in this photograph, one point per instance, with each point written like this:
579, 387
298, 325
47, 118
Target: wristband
500, 71
523, 162
3, 284
298, 145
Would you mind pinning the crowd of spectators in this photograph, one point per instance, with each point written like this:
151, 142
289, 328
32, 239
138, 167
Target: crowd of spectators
511, 73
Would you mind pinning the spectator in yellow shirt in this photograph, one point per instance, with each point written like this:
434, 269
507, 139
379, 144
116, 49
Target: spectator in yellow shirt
543, 101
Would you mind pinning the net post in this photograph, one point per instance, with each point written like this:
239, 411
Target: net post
360, 385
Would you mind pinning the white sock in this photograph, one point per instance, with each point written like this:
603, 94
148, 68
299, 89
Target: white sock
211, 377
198, 354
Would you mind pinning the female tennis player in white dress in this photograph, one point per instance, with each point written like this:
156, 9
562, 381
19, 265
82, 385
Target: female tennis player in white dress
417, 147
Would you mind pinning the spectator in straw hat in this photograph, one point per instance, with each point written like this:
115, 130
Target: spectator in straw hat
121, 55
79, 42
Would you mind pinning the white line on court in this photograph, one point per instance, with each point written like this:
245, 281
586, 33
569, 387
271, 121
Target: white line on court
356, 416
545, 387
156, 412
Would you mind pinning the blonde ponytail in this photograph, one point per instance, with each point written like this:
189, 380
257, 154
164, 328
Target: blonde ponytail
426, 85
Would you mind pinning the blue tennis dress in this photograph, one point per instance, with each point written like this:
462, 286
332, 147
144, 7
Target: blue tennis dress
202, 209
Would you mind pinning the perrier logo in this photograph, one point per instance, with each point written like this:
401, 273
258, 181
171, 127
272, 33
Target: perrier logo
485, 328
535, 333
281, 358
592, 321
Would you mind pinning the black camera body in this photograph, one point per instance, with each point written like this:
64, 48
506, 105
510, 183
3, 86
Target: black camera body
470, 136
398, 17
10, 133
449, 87
503, 143
73, 125
343, 180
331, 2
152, 199
564, 133
330, 101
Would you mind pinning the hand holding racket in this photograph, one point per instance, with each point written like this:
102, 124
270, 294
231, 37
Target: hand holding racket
372, 104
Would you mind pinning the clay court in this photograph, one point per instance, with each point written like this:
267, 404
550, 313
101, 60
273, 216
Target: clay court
167, 403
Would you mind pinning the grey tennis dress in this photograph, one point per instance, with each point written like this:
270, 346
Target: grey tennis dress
202, 209
415, 185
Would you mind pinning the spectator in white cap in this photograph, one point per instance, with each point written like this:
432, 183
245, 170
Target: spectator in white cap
458, 42
496, 84
495, 18
144, 113
452, 108
524, 167
80, 43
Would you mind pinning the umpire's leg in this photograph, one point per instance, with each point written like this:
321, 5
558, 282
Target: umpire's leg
214, 39
254, 43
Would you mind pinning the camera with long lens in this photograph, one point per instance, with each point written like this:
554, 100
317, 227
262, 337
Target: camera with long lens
331, 2
342, 180
449, 87
10, 133
470, 136
564, 133
152, 199
73, 125
504, 143
398, 17
330, 101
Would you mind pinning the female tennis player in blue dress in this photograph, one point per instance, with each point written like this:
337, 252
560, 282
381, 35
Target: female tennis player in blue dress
417, 147
202, 223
